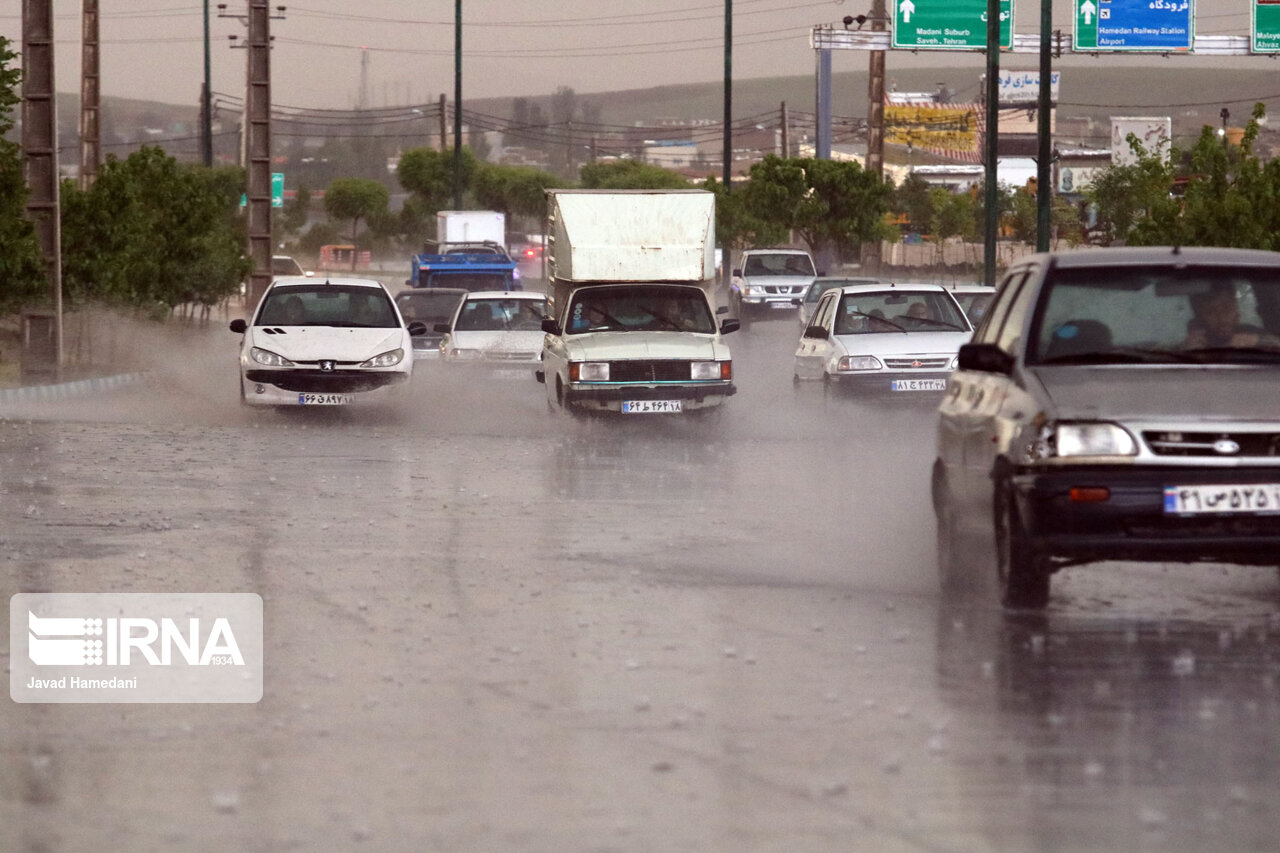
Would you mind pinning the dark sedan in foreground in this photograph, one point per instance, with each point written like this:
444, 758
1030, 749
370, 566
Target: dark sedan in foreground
1115, 404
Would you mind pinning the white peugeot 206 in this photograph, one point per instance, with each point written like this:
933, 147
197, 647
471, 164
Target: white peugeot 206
324, 342
883, 341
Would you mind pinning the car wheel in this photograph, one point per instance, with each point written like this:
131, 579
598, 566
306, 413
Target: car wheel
1023, 570
948, 543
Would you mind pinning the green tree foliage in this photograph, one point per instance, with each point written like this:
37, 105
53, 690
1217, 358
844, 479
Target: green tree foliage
428, 174
737, 227
355, 199
629, 175
22, 275
912, 199
830, 204
1124, 195
153, 231
294, 213
518, 191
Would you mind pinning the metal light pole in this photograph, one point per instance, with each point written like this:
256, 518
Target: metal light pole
1044, 181
728, 95
993, 138
457, 105
206, 100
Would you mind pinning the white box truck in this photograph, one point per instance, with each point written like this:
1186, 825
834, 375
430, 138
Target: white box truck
634, 328
456, 228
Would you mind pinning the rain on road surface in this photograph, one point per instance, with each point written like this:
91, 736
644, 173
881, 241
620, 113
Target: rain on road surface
488, 628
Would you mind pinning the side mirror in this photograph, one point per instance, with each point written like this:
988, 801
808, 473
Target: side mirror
738, 272
239, 326
987, 358
416, 328
730, 324
822, 272
550, 326
442, 328
817, 332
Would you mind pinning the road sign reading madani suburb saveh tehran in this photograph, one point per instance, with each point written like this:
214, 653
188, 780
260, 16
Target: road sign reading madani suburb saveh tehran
948, 24
1134, 25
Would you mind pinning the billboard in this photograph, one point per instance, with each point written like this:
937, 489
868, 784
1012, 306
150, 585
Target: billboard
1154, 133
949, 130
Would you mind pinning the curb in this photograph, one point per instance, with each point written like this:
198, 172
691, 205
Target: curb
61, 390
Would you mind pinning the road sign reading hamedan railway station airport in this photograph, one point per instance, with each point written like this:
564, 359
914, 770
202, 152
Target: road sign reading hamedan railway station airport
1120, 25
948, 24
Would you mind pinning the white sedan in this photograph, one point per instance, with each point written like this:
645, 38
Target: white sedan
324, 342
499, 330
883, 340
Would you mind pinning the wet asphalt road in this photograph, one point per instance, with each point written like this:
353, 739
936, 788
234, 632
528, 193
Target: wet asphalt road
491, 629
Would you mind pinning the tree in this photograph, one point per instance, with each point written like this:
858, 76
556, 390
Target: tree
629, 175
153, 231
831, 204
737, 227
22, 274
912, 199
427, 175
355, 199
518, 191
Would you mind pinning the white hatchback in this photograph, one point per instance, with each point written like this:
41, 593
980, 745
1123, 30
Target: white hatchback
324, 342
883, 340
499, 330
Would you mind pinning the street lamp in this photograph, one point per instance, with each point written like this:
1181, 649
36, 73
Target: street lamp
1224, 115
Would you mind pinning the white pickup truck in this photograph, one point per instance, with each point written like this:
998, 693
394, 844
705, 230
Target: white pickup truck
633, 329
769, 280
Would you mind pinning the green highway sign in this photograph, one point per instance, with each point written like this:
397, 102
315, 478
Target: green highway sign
948, 24
277, 189
1266, 26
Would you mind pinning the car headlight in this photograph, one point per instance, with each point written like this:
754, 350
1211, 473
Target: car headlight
386, 359
753, 290
267, 357
955, 362
588, 371
858, 362
706, 371
461, 353
1073, 441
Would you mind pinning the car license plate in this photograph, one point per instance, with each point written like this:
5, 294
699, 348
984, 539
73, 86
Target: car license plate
781, 305
918, 385
324, 399
1260, 498
642, 407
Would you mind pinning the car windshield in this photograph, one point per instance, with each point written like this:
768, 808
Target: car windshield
778, 265
662, 308
974, 304
1157, 313
492, 315
285, 265
429, 306
472, 281
820, 287
897, 311
328, 305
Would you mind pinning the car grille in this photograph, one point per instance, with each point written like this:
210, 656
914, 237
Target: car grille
1207, 444
916, 363
325, 382
639, 370
784, 289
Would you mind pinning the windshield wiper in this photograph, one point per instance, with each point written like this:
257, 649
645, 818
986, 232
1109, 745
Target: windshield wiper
933, 322
1122, 355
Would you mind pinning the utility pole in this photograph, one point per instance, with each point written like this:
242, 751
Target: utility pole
40, 148
206, 99
1044, 158
257, 117
786, 133
822, 133
875, 96
993, 141
457, 105
444, 123
727, 154
90, 96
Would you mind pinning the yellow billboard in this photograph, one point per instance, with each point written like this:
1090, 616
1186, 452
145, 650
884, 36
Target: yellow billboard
949, 130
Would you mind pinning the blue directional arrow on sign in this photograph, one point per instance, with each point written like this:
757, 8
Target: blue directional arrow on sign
1120, 25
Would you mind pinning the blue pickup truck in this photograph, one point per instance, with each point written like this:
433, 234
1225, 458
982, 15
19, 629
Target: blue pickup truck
472, 268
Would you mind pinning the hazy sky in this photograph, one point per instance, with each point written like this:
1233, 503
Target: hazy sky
153, 48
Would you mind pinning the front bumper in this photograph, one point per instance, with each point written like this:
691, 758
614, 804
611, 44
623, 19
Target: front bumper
610, 397
1132, 522
908, 385
285, 388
